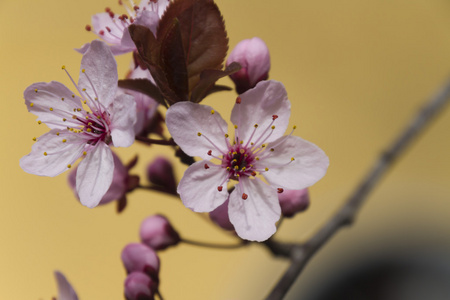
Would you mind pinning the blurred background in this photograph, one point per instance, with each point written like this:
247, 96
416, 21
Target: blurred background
355, 72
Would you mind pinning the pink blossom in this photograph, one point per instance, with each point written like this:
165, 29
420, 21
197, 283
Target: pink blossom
260, 117
293, 201
65, 290
254, 57
83, 126
141, 258
138, 286
122, 182
113, 28
220, 216
157, 233
160, 172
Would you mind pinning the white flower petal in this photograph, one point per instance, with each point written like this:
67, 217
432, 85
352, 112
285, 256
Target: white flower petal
101, 21
254, 218
52, 102
65, 290
100, 77
186, 119
198, 187
50, 156
310, 163
258, 105
123, 118
94, 175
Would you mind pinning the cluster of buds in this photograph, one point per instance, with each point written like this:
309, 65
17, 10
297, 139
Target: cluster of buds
141, 261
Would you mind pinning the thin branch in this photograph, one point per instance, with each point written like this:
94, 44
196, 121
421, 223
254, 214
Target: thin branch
301, 254
150, 141
216, 246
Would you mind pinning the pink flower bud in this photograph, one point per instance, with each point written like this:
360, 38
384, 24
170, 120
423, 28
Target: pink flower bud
220, 216
138, 257
160, 172
138, 286
253, 55
293, 201
157, 233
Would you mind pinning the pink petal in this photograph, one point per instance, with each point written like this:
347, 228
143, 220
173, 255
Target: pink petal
100, 77
52, 102
101, 21
148, 19
123, 118
59, 154
258, 106
186, 119
310, 163
94, 175
254, 218
65, 290
198, 187
83, 49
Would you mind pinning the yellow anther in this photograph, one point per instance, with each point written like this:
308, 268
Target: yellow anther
71, 129
226, 135
235, 160
257, 158
237, 175
252, 144
35, 90
235, 126
84, 90
245, 155
256, 125
45, 153
228, 169
244, 168
236, 167
73, 96
78, 109
51, 108
74, 117
62, 98
74, 110
98, 117
69, 166
64, 140
263, 146
64, 119
273, 127
84, 101
295, 127
89, 130
241, 142
292, 159
87, 118
90, 124
267, 169
31, 104
84, 153
96, 98
63, 67
34, 139
234, 153
57, 133
251, 166
199, 133
212, 111
88, 112
39, 122
242, 151
271, 149
83, 70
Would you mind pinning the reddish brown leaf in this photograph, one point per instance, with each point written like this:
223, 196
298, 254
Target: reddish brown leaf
143, 86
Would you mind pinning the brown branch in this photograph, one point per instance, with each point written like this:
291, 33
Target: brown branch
301, 254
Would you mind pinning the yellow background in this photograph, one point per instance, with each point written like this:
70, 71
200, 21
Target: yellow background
355, 71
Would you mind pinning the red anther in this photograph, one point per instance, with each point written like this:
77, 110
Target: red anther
244, 196
219, 188
131, 19
111, 14
280, 190
210, 152
107, 28
136, 7
107, 9
120, 2
206, 166
88, 27
253, 173
120, 18
238, 100
124, 16
274, 117
101, 32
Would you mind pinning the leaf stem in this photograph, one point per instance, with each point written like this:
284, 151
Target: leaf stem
215, 246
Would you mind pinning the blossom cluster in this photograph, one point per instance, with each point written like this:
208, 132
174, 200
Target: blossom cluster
246, 175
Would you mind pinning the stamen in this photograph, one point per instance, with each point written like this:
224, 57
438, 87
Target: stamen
274, 117
280, 190
88, 28
238, 100
244, 196
206, 166
220, 188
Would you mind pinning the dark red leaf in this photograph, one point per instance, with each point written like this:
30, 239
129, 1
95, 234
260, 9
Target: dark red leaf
143, 86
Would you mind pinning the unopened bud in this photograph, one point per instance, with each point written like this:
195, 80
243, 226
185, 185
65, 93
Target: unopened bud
293, 201
253, 55
157, 233
160, 172
138, 286
138, 257
220, 216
